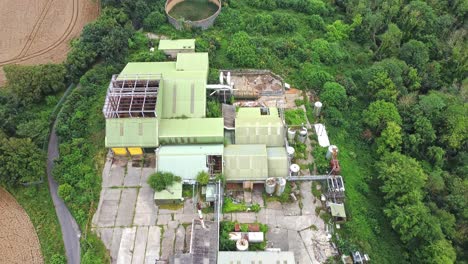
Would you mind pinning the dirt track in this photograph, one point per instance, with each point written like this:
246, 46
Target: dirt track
39, 31
18, 239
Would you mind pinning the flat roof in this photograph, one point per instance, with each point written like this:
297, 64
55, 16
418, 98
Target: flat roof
192, 127
255, 112
276, 152
337, 210
131, 132
168, 44
249, 257
197, 61
245, 150
188, 150
173, 192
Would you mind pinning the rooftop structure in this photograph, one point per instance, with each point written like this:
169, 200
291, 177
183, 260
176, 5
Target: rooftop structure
172, 194
245, 162
259, 125
134, 132
177, 44
191, 131
249, 257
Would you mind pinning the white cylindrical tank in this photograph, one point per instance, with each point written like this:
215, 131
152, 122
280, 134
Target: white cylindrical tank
270, 185
317, 108
280, 186
228, 78
294, 168
242, 244
221, 78
291, 134
290, 151
330, 151
303, 135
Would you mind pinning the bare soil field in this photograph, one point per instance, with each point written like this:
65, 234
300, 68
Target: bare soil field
18, 239
39, 31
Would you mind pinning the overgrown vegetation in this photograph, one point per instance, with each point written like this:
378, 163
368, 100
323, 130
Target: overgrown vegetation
230, 206
203, 177
295, 117
160, 180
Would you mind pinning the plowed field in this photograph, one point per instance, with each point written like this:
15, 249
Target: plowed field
18, 238
39, 31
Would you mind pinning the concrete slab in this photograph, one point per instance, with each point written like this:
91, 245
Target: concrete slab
189, 207
257, 198
164, 219
188, 236
153, 245
116, 176
244, 217
296, 245
291, 208
126, 246
185, 218
308, 200
179, 245
296, 223
145, 210
274, 205
107, 213
106, 236
277, 238
145, 173
140, 245
114, 249
106, 173
167, 246
173, 224
170, 211
248, 197
126, 209
133, 175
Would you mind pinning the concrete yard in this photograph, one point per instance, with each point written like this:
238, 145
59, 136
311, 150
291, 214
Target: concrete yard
131, 226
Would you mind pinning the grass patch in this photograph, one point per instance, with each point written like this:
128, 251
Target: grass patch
230, 207
38, 204
295, 117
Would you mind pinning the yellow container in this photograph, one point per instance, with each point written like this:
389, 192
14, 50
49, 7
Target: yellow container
119, 151
135, 151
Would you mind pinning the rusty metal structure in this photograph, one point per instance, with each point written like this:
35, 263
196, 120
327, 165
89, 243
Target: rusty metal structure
132, 96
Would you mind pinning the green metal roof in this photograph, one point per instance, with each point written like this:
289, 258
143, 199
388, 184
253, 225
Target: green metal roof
173, 192
188, 150
193, 158
249, 257
191, 127
132, 132
245, 162
169, 44
277, 162
337, 210
147, 68
197, 61
183, 97
253, 128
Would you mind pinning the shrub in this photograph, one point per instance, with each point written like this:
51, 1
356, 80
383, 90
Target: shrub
154, 20
65, 191
203, 177
295, 116
333, 94
161, 180
242, 51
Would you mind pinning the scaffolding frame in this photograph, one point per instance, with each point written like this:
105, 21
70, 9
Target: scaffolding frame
132, 95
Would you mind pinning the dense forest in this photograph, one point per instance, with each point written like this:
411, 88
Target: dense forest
391, 74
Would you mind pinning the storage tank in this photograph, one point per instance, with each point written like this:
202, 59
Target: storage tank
317, 108
294, 168
291, 134
242, 244
270, 185
290, 151
330, 151
280, 186
303, 135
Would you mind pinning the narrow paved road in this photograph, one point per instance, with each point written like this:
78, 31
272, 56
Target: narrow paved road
70, 230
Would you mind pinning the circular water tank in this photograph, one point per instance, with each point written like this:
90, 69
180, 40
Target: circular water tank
303, 135
317, 108
242, 244
290, 151
294, 168
291, 134
270, 185
280, 186
330, 150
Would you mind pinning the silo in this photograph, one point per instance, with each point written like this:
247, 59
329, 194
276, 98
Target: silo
291, 135
317, 108
270, 185
280, 186
330, 151
303, 135
290, 151
294, 168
